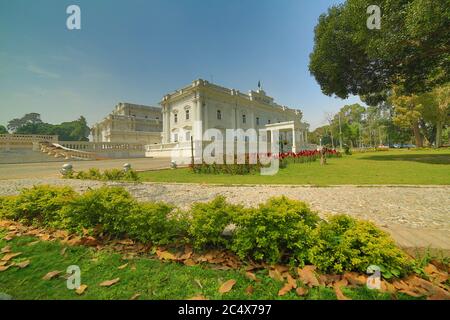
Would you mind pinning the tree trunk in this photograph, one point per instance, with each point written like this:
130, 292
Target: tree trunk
417, 136
438, 139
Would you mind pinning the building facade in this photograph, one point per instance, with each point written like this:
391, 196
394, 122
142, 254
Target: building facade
130, 123
222, 108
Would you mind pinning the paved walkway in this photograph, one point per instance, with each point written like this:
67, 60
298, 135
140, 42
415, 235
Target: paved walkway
51, 169
415, 216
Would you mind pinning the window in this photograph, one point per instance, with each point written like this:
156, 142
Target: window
175, 117
257, 121
175, 137
244, 119
219, 115
187, 114
188, 136
268, 121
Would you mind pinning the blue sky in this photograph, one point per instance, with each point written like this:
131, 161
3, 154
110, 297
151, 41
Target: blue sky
137, 51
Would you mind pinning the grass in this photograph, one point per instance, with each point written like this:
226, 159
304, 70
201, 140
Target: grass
151, 278
415, 167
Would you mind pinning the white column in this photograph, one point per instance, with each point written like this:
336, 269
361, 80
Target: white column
294, 147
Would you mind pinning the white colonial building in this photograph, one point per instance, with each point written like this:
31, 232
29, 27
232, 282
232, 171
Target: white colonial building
130, 123
221, 108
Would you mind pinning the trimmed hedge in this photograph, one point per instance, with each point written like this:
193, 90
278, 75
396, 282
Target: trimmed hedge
278, 231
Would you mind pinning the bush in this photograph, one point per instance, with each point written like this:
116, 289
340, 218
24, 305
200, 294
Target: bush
106, 207
209, 220
41, 205
6, 205
107, 175
277, 229
348, 244
157, 223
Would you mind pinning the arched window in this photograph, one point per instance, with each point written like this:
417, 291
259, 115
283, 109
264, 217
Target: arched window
257, 121
187, 114
244, 119
175, 117
219, 115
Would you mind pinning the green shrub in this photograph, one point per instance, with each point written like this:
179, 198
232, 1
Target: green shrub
157, 223
277, 229
208, 221
107, 175
7, 203
42, 205
105, 208
346, 244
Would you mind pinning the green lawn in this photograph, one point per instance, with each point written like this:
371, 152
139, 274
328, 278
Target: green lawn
151, 278
418, 167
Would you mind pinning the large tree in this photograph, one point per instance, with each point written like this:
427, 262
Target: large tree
3, 129
410, 51
28, 119
77, 130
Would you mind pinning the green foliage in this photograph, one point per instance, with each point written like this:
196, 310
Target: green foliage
6, 204
107, 175
278, 228
233, 169
31, 123
345, 243
209, 220
3, 130
349, 58
105, 209
41, 205
158, 223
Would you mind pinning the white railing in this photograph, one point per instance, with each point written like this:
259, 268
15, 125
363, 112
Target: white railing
101, 146
5, 138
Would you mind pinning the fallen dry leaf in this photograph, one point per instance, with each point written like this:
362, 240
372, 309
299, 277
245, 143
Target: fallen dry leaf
307, 276
63, 251
6, 249
9, 256
276, 275
355, 279
189, 262
44, 237
430, 269
4, 268
81, 289
227, 286
301, 291
135, 296
249, 290
339, 294
252, 276
22, 264
291, 281
2, 263
51, 275
122, 266
165, 255
286, 288
33, 243
109, 283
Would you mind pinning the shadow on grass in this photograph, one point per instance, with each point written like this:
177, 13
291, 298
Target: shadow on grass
423, 158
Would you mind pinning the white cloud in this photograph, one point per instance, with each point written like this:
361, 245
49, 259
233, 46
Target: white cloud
42, 72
